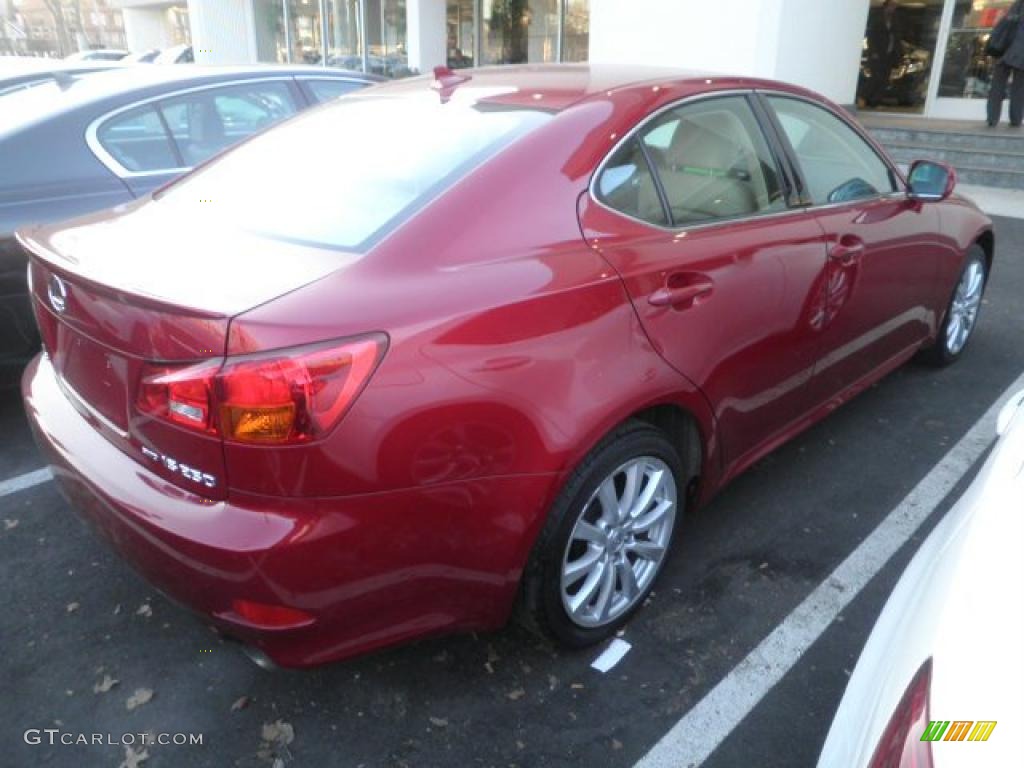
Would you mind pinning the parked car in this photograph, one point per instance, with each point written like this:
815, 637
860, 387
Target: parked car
98, 54
943, 663
143, 57
176, 54
77, 145
475, 340
20, 72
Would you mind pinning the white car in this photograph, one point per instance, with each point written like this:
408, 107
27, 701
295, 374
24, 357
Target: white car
98, 54
940, 682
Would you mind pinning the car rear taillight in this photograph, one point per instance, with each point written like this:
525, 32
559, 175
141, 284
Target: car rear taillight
179, 395
283, 397
901, 745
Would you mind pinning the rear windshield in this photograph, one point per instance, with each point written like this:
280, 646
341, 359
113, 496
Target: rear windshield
344, 175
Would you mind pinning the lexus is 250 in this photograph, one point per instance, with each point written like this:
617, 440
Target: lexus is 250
472, 342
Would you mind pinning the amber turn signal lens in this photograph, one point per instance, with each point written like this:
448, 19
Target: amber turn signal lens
258, 424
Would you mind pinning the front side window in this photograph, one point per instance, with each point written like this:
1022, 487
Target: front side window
838, 165
137, 140
342, 175
208, 121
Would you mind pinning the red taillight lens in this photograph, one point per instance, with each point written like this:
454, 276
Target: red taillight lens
901, 745
288, 396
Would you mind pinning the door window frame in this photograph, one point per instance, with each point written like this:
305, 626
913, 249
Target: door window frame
783, 166
114, 166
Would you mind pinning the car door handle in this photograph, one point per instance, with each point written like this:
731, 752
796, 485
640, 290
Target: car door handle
681, 291
848, 250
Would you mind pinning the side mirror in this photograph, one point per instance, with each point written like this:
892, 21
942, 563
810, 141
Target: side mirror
930, 181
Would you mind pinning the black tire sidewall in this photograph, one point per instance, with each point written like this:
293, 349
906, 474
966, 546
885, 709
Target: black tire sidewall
635, 441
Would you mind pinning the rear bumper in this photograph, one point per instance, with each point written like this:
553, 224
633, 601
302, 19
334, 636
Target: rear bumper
372, 570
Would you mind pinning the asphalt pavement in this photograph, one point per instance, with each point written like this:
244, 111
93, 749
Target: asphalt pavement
86, 646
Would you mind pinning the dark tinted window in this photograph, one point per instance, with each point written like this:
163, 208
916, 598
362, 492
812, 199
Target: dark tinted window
626, 185
208, 121
713, 161
138, 141
325, 90
837, 164
341, 175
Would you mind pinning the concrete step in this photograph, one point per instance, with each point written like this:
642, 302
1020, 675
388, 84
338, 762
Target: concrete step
960, 157
996, 139
993, 160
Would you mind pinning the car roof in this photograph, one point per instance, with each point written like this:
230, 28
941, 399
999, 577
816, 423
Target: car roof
557, 86
123, 84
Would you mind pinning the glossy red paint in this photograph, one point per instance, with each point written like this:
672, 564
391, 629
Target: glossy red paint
521, 329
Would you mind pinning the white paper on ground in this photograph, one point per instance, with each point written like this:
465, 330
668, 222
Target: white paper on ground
612, 655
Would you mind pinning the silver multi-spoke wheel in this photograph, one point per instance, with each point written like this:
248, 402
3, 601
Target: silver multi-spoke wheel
963, 312
618, 542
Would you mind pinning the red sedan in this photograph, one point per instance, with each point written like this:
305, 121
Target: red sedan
454, 345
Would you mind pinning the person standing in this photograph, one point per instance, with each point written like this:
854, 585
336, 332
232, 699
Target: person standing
884, 51
1008, 75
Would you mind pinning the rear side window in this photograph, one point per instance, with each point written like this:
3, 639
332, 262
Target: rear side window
325, 90
344, 175
208, 121
626, 184
138, 141
837, 164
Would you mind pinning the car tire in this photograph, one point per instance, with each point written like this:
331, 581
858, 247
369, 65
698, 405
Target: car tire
963, 308
583, 513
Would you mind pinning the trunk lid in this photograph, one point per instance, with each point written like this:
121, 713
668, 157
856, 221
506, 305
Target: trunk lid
116, 293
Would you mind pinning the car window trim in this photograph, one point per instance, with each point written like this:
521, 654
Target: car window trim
797, 192
894, 175
634, 134
111, 163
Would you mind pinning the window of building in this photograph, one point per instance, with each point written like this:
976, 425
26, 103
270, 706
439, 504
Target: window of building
519, 31
837, 164
967, 71
897, 56
576, 31
461, 23
344, 34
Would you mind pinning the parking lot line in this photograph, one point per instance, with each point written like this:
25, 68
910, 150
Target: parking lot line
692, 740
27, 480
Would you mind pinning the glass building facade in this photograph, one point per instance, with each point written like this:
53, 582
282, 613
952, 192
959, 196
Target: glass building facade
372, 35
939, 66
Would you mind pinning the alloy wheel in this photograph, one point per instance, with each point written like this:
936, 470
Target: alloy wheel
619, 542
963, 312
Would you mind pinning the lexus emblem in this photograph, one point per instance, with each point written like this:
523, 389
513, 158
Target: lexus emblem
58, 293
